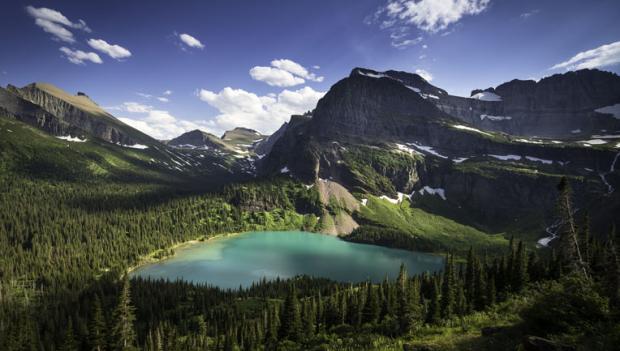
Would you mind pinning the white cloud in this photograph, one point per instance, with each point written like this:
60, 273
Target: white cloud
163, 99
275, 76
114, 51
428, 15
56, 30
78, 56
424, 46
54, 22
316, 67
159, 124
424, 74
529, 14
602, 56
239, 108
146, 96
191, 41
404, 43
284, 73
422, 57
167, 92
296, 69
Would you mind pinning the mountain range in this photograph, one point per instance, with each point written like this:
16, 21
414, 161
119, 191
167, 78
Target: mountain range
484, 161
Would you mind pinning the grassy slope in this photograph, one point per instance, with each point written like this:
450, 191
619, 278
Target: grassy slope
429, 227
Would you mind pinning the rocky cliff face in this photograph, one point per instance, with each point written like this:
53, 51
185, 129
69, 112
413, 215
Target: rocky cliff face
558, 106
79, 112
388, 132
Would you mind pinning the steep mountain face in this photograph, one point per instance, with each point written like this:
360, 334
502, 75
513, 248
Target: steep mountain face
80, 112
391, 134
197, 139
561, 105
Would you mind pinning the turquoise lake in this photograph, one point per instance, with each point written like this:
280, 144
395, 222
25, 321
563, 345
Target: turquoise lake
229, 262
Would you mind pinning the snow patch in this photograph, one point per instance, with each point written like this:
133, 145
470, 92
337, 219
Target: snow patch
462, 127
606, 136
460, 159
486, 96
372, 75
417, 90
536, 159
397, 200
594, 142
364, 202
406, 149
530, 141
506, 157
613, 110
135, 146
495, 118
284, 170
427, 149
434, 191
576, 131
70, 138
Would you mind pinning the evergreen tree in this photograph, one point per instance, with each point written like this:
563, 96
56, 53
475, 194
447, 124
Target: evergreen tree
519, 273
123, 332
97, 327
433, 313
291, 327
370, 313
567, 230
448, 289
405, 321
69, 342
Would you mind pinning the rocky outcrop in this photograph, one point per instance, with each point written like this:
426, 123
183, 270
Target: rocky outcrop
264, 146
79, 112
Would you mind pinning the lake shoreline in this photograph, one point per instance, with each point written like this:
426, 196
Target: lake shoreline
151, 258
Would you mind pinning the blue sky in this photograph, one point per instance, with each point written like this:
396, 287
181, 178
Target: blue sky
167, 67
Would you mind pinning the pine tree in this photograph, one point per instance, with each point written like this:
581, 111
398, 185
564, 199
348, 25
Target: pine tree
480, 298
97, 327
567, 230
433, 313
291, 327
123, 332
448, 289
405, 321
370, 313
69, 342
519, 274
470, 271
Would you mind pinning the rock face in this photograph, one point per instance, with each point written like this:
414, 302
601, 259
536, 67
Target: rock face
488, 179
199, 139
557, 106
67, 113
242, 136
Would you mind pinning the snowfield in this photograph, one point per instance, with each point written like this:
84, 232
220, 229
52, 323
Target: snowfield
434, 191
70, 138
495, 118
462, 127
486, 96
613, 110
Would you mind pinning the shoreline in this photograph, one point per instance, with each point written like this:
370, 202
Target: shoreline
151, 258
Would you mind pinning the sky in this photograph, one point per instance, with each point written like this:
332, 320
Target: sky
169, 67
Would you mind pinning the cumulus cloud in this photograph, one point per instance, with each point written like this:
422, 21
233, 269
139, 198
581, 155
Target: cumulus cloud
114, 51
167, 92
284, 73
159, 124
424, 74
238, 107
55, 23
432, 15
79, 57
275, 76
191, 41
163, 99
602, 56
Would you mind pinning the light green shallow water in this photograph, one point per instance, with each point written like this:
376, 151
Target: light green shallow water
229, 262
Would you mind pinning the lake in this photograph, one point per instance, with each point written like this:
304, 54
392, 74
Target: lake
229, 262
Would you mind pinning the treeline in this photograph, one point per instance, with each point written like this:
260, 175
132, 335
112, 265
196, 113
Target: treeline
300, 313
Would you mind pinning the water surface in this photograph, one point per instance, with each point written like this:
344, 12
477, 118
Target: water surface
229, 262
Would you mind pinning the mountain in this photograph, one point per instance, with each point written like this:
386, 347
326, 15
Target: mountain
242, 137
79, 111
201, 140
389, 134
559, 106
81, 140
